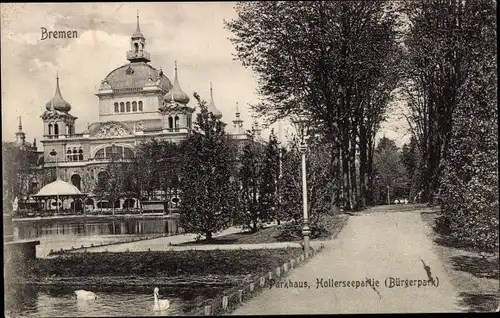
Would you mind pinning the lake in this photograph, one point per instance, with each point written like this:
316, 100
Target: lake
56, 234
43, 301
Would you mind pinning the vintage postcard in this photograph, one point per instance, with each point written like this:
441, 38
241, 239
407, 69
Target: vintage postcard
249, 158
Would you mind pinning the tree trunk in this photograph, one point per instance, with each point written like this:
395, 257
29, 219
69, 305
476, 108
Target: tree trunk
352, 166
362, 167
208, 236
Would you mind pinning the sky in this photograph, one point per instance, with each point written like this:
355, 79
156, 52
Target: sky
190, 33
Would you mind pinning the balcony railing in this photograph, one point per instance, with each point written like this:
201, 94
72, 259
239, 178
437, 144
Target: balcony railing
135, 55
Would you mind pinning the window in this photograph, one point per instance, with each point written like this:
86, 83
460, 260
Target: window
80, 154
170, 122
134, 106
116, 108
75, 154
50, 129
76, 181
176, 123
122, 107
140, 106
128, 107
68, 155
56, 129
127, 153
99, 154
136, 47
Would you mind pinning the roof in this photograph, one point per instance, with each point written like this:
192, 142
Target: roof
57, 102
58, 187
136, 75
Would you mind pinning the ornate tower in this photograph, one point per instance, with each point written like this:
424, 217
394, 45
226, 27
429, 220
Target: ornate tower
238, 122
177, 116
211, 105
137, 51
20, 135
57, 119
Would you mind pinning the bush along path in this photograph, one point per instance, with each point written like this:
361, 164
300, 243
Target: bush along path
230, 299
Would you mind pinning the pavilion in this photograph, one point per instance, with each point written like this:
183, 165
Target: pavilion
61, 196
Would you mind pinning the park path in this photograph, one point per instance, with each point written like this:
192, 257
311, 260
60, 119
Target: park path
375, 244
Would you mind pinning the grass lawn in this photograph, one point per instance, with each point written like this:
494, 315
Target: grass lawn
475, 277
268, 235
214, 267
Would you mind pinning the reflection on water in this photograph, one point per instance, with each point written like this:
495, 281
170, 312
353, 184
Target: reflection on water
115, 301
57, 234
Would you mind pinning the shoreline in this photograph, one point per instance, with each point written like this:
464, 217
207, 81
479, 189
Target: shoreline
96, 217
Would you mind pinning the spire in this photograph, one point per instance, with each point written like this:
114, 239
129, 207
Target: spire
58, 102
238, 122
176, 94
211, 105
138, 30
20, 135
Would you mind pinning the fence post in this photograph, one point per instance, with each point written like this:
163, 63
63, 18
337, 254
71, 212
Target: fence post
208, 310
225, 300
240, 295
252, 286
262, 281
278, 271
285, 267
270, 275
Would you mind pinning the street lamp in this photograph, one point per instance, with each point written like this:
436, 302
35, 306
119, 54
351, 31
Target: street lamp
301, 121
53, 153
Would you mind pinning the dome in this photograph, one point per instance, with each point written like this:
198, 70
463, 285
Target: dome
58, 102
176, 93
136, 75
58, 187
211, 105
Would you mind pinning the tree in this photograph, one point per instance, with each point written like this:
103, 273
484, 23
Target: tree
444, 42
390, 172
208, 192
337, 60
268, 189
250, 178
17, 171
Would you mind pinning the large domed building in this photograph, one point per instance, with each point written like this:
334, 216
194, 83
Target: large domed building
137, 102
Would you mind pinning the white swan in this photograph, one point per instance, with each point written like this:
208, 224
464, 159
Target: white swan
160, 304
85, 295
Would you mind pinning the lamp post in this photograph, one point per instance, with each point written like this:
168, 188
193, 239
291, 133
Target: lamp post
53, 153
388, 199
301, 122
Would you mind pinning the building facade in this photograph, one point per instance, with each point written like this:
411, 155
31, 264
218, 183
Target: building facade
136, 102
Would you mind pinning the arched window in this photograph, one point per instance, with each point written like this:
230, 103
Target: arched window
76, 181
100, 154
176, 124
136, 47
122, 107
56, 129
50, 129
170, 122
75, 154
116, 108
128, 203
142, 47
127, 153
80, 154
134, 106
68, 155
140, 106
70, 129
128, 107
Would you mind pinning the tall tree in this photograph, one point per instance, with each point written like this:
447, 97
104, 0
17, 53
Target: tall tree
268, 189
208, 192
444, 41
312, 56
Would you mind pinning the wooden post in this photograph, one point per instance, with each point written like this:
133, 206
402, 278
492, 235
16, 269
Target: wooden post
285, 268
262, 281
225, 300
252, 287
208, 310
270, 275
278, 271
